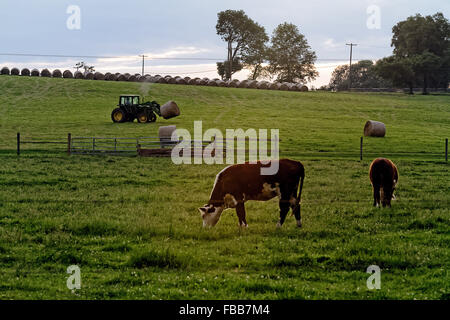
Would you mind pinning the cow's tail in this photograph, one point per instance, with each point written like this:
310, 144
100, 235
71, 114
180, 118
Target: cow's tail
300, 188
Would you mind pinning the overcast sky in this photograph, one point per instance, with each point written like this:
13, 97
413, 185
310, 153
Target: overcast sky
186, 29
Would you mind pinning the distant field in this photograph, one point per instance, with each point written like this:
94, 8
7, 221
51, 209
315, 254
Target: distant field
132, 224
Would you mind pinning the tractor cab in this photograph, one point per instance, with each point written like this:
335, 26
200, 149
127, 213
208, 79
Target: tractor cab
128, 100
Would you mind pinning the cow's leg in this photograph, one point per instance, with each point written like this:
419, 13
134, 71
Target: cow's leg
376, 195
295, 206
240, 211
284, 209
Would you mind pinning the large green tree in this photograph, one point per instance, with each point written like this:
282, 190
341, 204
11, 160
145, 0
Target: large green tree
421, 45
363, 75
244, 37
290, 57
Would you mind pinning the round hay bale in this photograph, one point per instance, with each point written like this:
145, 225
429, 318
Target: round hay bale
171, 80
127, 75
162, 80
263, 85
132, 78
77, 75
67, 74
165, 135
292, 86
141, 79
304, 88
56, 73
15, 72
243, 84
169, 110
187, 79
180, 81
45, 73
252, 84
89, 76
274, 86
284, 86
121, 77
374, 129
234, 84
25, 72
117, 74
35, 73
5, 71
212, 83
99, 76
203, 82
221, 83
192, 82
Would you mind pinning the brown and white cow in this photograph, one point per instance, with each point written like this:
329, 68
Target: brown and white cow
242, 182
384, 178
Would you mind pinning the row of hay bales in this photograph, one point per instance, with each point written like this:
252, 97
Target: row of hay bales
249, 84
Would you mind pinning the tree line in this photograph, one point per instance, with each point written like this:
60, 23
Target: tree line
421, 58
286, 55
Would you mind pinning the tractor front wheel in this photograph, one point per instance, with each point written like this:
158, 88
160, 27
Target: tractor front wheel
152, 117
118, 115
142, 117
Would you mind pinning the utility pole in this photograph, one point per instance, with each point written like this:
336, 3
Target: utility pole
350, 69
143, 59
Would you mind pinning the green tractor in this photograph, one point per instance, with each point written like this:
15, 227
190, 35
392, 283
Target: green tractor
130, 108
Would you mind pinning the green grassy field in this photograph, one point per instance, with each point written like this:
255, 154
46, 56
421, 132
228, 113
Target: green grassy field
132, 224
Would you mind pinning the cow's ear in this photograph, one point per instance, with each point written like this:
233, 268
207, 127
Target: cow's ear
202, 209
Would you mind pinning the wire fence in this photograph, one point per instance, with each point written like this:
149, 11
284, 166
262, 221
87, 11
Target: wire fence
160, 146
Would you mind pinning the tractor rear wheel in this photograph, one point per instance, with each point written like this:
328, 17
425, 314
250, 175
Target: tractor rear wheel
142, 117
152, 117
118, 115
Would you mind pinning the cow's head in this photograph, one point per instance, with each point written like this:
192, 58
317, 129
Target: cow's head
210, 214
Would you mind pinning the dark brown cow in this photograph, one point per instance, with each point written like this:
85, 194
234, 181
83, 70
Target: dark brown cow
384, 178
242, 182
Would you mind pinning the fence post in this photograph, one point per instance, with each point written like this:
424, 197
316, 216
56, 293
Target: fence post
18, 143
69, 143
446, 150
361, 149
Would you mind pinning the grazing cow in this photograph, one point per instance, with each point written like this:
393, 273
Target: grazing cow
241, 182
384, 177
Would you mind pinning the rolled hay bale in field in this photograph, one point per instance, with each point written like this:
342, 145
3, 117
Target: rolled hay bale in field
284, 86
204, 81
221, 83
67, 74
15, 72
78, 75
374, 129
192, 82
99, 76
274, 86
234, 83
132, 78
89, 76
243, 84
170, 110
127, 75
121, 77
141, 79
117, 74
304, 88
25, 72
262, 85
171, 80
5, 71
165, 135
180, 81
187, 79
252, 84
292, 86
56, 73
35, 73
46, 73
212, 83
111, 77
162, 80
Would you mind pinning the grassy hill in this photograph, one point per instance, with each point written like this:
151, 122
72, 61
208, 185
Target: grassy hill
132, 224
